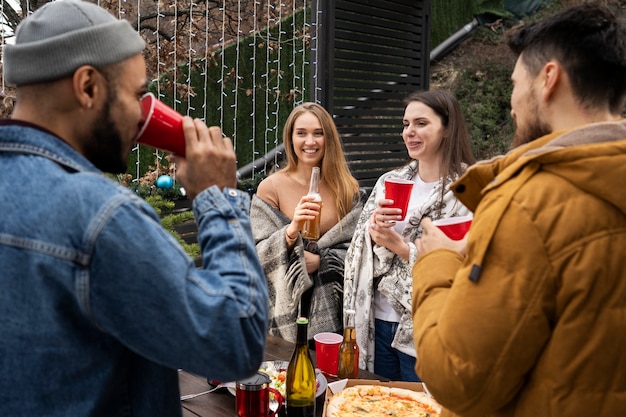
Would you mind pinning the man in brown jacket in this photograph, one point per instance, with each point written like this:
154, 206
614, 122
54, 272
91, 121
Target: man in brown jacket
527, 315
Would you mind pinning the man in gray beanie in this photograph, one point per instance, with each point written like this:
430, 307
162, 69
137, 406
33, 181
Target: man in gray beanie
99, 306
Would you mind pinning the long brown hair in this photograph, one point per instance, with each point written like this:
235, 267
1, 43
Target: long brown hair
334, 168
455, 147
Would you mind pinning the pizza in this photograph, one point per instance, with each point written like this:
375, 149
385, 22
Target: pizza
381, 401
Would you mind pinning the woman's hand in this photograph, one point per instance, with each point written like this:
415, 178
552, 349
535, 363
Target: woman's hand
312, 261
381, 229
305, 210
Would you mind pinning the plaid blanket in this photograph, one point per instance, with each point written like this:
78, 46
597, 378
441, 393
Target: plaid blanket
369, 267
286, 274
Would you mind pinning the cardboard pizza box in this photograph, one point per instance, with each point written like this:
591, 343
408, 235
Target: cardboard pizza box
334, 387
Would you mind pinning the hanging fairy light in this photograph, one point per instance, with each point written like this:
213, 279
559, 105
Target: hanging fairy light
175, 54
305, 25
206, 62
2, 39
278, 75
237, 76
222, 52
315, 51
253, 45
190, 56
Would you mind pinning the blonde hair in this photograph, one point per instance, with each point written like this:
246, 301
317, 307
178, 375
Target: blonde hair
334, 169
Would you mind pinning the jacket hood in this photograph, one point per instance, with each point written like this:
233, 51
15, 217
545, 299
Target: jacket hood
576, 155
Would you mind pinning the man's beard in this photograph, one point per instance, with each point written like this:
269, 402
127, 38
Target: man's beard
105, 147
533, 129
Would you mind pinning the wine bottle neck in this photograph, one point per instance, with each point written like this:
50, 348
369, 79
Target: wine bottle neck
301, 335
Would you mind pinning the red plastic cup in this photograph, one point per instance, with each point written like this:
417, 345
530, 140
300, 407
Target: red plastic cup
327, 352
399, 191
163, 126
454, 227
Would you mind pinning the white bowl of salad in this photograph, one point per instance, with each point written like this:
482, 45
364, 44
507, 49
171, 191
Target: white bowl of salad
277, 371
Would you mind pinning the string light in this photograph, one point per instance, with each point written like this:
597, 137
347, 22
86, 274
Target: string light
292, 64
175, 52
315, 51
4, 24
190, 56
237, 76
206, 61
222, 52
267, 31
268, 48
254, 85
278, 74
303, 51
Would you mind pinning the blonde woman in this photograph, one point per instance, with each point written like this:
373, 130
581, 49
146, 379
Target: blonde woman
306, 277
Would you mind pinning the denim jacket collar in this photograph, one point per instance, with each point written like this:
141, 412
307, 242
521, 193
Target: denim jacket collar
42, 142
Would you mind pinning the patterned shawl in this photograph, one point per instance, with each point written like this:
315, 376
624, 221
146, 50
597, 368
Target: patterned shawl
286, 274
367, 263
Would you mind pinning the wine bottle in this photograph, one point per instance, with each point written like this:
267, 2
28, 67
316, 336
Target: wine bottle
349, 350
311, 228
301, 381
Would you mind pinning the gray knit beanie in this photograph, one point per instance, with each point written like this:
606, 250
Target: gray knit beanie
63, 35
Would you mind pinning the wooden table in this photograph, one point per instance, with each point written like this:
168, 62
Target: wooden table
221, 403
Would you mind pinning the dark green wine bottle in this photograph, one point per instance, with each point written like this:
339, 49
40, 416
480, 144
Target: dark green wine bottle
301, 381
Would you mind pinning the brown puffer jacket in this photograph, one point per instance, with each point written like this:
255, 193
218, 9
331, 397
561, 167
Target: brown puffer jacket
533, 321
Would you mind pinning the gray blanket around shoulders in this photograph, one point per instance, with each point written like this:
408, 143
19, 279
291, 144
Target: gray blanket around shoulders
286, 274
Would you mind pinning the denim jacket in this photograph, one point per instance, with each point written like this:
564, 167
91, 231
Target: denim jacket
99, 305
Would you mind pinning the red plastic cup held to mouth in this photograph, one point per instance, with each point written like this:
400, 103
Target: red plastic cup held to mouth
399, 191
163, 126
454, 227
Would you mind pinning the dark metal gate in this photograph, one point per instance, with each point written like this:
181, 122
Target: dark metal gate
370, 54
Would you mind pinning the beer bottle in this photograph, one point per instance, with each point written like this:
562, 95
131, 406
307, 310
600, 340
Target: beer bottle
349, 350
311, 228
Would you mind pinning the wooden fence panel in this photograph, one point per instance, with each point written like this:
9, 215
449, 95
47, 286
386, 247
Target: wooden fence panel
370, 55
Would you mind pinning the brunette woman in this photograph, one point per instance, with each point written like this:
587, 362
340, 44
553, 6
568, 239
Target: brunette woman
378, 281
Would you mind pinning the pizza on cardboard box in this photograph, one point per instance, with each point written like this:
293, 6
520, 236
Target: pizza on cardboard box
359, 398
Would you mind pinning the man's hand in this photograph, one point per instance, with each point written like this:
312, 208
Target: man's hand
433, 238
210, 159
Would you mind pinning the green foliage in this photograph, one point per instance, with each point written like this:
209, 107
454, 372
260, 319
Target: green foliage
159, 204
170, 220
449, 16
147, 190
250, 185
265, 76
484, 97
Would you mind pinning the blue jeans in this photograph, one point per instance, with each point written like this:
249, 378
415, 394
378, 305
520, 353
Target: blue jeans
390, 362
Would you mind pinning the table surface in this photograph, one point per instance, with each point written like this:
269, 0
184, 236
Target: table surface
222, 403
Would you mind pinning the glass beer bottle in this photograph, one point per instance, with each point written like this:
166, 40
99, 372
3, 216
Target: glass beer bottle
311, 228
349, 350
301, 381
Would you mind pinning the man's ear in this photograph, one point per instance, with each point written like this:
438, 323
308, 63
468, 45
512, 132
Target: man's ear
86, 82
551, 76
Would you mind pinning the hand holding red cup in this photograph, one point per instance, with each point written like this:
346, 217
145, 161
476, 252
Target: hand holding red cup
399, 190
163, 126
454, 227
